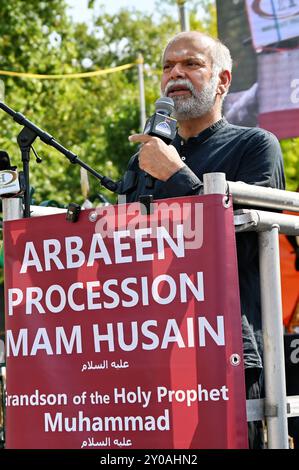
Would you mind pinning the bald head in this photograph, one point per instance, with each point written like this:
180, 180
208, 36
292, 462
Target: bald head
217, 52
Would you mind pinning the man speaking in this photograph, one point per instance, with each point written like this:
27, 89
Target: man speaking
197, 76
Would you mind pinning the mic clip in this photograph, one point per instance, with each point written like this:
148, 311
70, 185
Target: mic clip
146, 204
73, 212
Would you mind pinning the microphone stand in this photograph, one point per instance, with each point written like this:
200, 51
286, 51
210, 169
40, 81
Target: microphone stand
26, 138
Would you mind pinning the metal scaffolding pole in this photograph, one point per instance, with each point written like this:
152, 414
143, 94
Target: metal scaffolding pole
275, 385
214, 183
140, 63
251, 195
12, 208
268, 225
260, 221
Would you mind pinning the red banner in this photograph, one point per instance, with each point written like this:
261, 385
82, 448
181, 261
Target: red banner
123, 330
284, 124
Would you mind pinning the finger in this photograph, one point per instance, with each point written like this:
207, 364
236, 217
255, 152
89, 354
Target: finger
143, 138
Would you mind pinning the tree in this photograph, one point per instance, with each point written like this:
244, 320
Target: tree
29, 42
92, 117
201, 13
290, 150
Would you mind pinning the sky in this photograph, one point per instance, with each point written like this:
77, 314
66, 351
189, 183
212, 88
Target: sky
79, 11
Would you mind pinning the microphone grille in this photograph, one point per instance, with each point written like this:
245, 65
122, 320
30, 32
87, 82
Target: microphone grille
164, 105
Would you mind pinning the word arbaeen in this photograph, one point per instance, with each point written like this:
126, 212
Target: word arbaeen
145, 246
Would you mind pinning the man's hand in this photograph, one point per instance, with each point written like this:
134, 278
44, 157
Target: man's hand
156, 158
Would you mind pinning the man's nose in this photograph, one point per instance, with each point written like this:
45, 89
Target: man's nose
177, 71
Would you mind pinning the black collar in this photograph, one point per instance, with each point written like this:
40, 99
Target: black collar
203, 135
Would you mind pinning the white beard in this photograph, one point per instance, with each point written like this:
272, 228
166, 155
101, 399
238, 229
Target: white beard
196, 105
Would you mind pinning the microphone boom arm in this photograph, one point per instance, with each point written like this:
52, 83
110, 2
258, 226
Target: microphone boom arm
26, 139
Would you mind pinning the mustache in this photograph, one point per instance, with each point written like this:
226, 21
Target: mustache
180, 82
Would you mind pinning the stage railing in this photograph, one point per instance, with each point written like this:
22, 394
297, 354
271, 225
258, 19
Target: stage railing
268, 225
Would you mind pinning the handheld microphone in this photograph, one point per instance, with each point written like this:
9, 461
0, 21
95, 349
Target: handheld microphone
9, 178
161, 125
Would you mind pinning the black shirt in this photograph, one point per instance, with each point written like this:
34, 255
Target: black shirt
251, 155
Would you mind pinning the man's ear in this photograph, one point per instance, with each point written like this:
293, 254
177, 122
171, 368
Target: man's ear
225, 79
